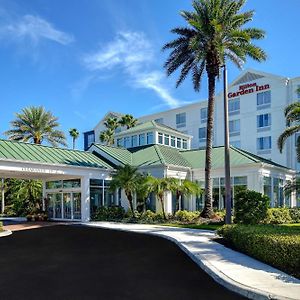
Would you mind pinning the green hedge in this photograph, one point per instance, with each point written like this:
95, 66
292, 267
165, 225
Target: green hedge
276, 245
283, 215
1, 228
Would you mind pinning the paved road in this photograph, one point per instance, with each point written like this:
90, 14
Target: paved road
76, 262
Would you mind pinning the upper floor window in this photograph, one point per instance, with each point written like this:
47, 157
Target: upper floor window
141, 139
236, 144
173, 141
159, 120
203, 114
298, 91
127, 142
149, 138
263, 99
263, 120
234, 106
167, 139
202, 134
89, 139
134, 141
264, 143
234, 127
120, 142
178, 142
184, 144
160, 138
181, 120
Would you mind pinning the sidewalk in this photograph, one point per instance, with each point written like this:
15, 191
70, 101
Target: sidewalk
234, 270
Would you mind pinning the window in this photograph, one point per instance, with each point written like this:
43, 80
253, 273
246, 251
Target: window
178, 142
236, 144
202, 134
120, 142
71, 183
234, 106
160, 138
173, 141
263, 121
184, 144
89, 139
134, 141
142, 139
298, 91
159, 120
234, 127
264, 143
127, 142
263, 99
181, 120
53, 184
167, 139
203, 115
149, 138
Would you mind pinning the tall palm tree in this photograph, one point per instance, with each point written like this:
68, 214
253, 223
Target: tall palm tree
160, 186
111, 123
215, 32
126, 178
107, 137
74, 133
128, 120
35, 124
292, 116
184, 188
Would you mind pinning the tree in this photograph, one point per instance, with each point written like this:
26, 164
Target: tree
126, 178
292, 116
215, 32
160, 186
111, 123
128, 120
107, 137
74, 133
143, 189
35, 124
184, 188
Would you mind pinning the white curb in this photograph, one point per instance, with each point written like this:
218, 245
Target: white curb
5, 233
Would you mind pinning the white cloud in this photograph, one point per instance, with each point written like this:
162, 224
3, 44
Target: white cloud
132, 53
35, 28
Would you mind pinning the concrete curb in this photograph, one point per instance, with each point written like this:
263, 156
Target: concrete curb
5, 233
221, 278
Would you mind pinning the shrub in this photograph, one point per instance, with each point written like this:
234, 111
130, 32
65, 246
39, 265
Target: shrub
278, 216
275, 245
295, 214
220, 214
9, 211
186, 216
151, 217
250, 207
109, 213
1, 226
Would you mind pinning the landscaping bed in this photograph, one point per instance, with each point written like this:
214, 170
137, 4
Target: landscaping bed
1, 227
276, 245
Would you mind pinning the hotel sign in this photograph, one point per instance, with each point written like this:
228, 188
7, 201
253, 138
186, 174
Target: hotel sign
45, 171
248, 89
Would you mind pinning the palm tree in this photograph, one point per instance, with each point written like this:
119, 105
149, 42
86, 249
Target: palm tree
128, 120
143, 189
215, 32
292, 116
107, 137
184, 188
127, 178
111, 123
74, 133
159, 186
35, 124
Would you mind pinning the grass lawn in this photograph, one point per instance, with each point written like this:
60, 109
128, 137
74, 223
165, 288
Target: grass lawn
194, 226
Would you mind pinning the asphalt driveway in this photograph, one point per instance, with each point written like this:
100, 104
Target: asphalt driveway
77, 262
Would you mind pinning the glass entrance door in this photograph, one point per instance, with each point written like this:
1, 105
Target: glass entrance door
77, 206
67, 206
57, 205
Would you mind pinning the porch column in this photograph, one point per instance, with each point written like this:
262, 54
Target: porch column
85, 199
168, 202
44, 196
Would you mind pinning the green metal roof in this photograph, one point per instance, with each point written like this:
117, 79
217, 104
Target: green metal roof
52, 155
150, 125
151, 155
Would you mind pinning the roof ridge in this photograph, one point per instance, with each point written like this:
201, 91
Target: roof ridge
161, 157
245, 153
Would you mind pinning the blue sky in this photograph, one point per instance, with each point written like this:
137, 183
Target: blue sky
80, 59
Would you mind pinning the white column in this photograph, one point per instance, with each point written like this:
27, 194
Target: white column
85, 199
168, 202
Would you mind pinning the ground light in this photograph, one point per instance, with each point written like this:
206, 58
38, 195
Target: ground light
226, 154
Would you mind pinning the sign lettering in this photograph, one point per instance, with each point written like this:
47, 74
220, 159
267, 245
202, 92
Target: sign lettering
248, 89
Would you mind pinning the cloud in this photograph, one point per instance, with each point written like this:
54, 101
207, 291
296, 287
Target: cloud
35, 29
132, 53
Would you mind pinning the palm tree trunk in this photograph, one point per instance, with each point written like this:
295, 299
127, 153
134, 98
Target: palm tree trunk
208, 211
2, 197
177, 203
73, 143
161, 198
130, 200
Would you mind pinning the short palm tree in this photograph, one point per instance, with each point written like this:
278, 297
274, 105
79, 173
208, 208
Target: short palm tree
74, 133
184, 188
143, 189
108, 137
160, 186
292, 116
128, 121
216, 32
35, 124
126, 178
